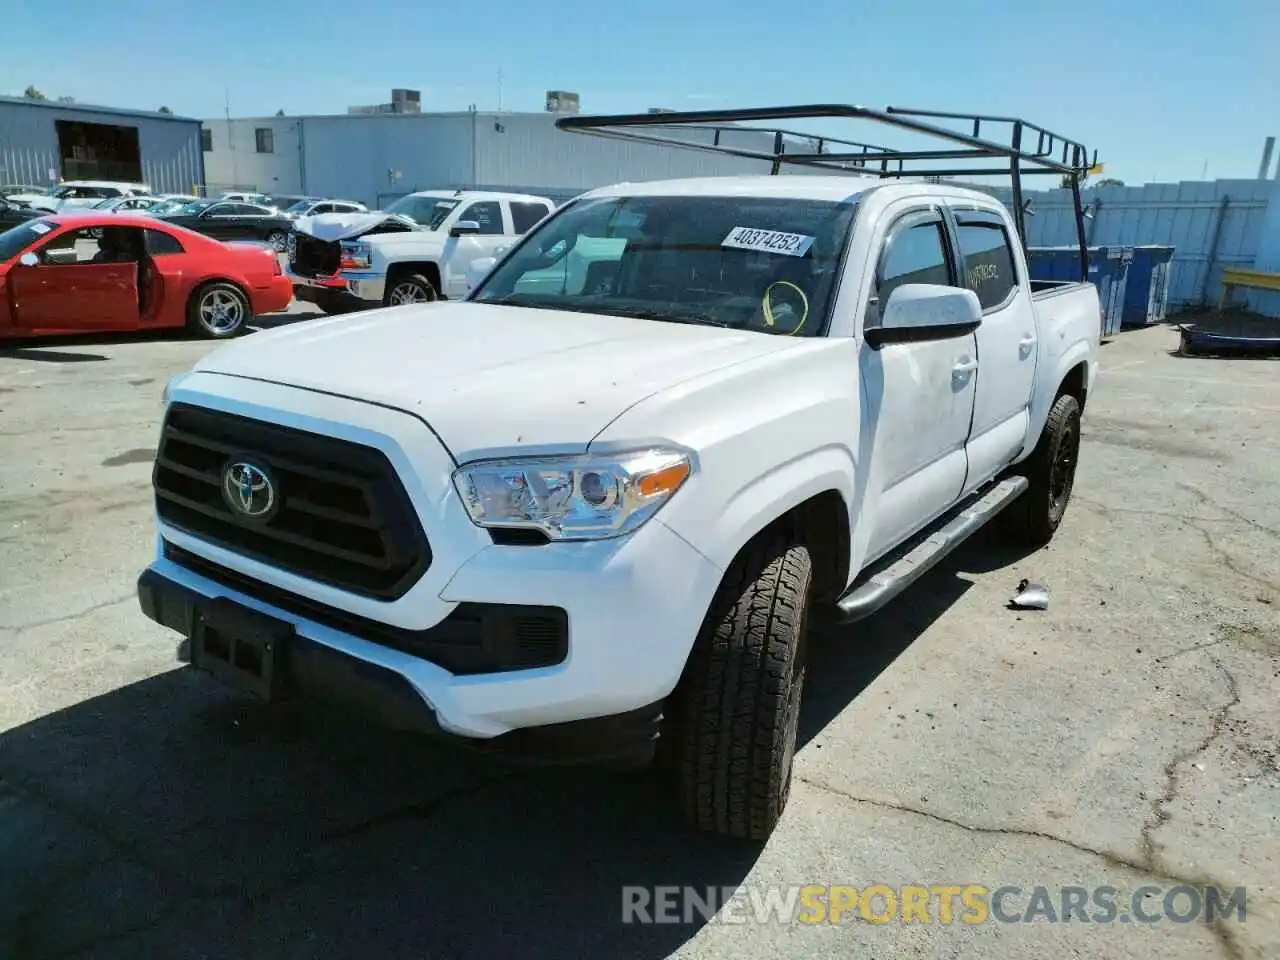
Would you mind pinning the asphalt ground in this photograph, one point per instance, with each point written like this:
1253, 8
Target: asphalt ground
1126, 737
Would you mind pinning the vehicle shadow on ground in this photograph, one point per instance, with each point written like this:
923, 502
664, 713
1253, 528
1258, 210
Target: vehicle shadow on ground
39, 355
171, 818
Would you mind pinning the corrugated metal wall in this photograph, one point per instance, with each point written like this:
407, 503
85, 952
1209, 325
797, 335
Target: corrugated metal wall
170, 147
1188, 216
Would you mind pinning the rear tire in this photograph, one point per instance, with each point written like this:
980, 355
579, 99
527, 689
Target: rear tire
1051, 471
218, 311
740, 703
279, 240
410, 288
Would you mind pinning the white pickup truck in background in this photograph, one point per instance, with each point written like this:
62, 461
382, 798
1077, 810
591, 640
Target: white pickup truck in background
425, 246
590, 511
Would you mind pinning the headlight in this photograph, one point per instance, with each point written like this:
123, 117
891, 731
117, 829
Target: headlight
358, 256
572, 498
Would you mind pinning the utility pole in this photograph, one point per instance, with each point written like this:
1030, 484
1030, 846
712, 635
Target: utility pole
499, 89
231, 137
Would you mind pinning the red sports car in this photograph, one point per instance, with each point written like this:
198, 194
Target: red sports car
87, 273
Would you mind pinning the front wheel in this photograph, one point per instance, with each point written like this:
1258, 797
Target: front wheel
1051, 472
740, 707
412, 288
219, 311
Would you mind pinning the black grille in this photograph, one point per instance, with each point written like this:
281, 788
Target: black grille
474, 638
310, 257
343, 517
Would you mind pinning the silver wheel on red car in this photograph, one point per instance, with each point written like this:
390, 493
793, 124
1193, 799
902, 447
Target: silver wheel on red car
219, 310
412, 289
279, 240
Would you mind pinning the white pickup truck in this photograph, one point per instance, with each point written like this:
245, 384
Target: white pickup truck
590, 511
426, 246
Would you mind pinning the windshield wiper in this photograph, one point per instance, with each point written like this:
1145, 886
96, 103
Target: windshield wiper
665, 317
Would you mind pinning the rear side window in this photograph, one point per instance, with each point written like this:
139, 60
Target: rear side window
160, 243
525, 215
988, 261
915, 253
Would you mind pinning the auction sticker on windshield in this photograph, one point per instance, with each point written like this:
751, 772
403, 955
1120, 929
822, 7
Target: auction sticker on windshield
768, 241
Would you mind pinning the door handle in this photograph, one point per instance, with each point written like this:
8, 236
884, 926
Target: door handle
1028, 340
964, 365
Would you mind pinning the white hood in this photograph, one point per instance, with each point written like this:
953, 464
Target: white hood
490, 379
344, 226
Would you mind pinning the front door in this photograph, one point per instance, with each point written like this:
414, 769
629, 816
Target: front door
919, 394
460, 252
1007, 342
72, 288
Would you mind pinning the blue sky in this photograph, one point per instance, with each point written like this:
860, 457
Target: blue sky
1159, 88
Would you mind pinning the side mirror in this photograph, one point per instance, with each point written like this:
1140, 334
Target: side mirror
28, 259
926, 311
464, 227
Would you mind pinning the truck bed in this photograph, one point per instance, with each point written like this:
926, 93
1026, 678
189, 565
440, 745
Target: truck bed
1044, 289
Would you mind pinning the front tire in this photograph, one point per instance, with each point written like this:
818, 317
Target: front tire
218, 311
411, 288
740, 706
1051, 472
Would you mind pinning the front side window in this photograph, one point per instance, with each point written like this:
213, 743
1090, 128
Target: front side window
915, 252
988, 261
765, 264
487, 213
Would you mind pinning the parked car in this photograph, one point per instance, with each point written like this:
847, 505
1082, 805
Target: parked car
232, 220
80, 194
12, 214
591, 518
260, 199
93, 272
171, 203
423, 247
316, 206
17, 191
134, 204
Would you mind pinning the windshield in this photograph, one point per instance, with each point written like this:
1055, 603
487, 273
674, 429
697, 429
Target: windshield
191, 209
300, 206
427, 212
13, 242
758, 263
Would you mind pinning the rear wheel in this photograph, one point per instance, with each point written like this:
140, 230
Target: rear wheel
279, 240
739, 708
1051, 472
411, 288
218, 310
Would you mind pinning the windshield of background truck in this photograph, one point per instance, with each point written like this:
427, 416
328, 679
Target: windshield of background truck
755, 263
428, 212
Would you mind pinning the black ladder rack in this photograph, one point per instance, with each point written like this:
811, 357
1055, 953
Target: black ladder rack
1028, 149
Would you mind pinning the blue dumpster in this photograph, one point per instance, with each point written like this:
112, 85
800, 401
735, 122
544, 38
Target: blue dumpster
1146, 296
1108, 271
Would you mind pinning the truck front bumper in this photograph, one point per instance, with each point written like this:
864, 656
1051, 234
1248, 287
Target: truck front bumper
632, 607
347, 290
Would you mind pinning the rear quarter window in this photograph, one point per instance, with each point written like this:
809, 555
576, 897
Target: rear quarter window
988, 261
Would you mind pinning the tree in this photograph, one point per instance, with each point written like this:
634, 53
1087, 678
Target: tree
31, 93
1110, 182
164, 110
66, 99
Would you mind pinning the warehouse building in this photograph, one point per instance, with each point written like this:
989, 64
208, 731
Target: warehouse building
380, 155
43, 142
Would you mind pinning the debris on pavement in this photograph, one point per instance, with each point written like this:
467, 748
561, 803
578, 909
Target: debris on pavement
1030, 596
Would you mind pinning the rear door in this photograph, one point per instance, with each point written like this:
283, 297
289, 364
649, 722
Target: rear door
919, 393
1007, 339
67, 290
